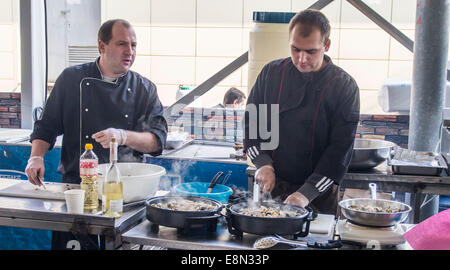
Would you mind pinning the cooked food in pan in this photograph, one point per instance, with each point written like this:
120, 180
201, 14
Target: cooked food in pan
185, 205
264, 211
375, 209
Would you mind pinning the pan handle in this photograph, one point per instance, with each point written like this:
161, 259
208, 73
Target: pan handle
214, 180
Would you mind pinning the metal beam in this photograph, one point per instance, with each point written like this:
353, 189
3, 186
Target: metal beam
175, 108
320, 4
386, 26
32, 51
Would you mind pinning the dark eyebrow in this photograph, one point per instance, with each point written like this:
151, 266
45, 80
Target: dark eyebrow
307, 51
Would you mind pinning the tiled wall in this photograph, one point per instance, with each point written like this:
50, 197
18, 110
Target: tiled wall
10, 110
186, 41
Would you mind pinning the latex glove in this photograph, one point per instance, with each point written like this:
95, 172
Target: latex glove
265, 177
35, 168
104, 137
298, 199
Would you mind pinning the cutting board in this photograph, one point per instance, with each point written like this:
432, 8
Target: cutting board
24, 189
323, 224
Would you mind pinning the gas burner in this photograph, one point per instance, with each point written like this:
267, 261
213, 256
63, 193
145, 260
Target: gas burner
352, 223
239, 234
383, 236
209, 224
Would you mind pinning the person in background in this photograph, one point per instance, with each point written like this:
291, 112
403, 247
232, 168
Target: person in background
233, 98
318, 116
93, 102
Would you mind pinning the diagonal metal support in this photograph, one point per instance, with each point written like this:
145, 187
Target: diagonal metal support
320, 4
386, 26
175, 108
383, 23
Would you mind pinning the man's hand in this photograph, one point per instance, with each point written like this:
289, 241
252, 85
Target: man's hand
298, 199
104, 137
265, 177
35, 168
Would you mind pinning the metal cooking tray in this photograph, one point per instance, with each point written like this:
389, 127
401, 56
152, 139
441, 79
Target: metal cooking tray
419, 168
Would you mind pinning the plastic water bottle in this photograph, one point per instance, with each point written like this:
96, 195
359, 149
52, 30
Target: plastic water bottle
88, 175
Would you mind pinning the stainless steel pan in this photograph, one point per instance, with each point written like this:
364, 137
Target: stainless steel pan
369, 153
367, 218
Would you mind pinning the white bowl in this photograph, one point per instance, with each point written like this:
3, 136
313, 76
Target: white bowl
140, 180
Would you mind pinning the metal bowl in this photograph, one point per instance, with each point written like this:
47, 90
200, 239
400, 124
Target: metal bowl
374, 219
369, 153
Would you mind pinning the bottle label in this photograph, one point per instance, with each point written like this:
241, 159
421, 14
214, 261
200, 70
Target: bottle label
116, 205
88, 167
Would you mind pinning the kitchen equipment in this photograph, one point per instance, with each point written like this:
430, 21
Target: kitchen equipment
24, 189
214, 181
375, 219
369, 153
199, 189
387, 236
42, 182
183, 220
140, 180
297, 226
411, 162
272, 241
373, 191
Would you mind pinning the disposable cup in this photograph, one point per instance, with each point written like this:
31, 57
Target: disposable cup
74, 201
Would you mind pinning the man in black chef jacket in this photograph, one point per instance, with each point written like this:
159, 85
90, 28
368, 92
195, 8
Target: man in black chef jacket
317, 116
93, 102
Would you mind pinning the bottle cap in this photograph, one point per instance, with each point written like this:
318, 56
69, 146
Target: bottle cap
88, 146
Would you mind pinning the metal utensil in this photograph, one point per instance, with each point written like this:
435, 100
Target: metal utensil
225, 178
373, 190
271, 241
214, 181
256, 192
42, 182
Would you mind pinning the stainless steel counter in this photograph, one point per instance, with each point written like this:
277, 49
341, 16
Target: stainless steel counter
52, 215
199, 239
222, 239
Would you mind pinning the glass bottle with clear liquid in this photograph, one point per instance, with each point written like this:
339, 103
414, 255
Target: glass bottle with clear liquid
88, 175
112, 190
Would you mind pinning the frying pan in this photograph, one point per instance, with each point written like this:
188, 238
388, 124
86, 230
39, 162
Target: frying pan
374, 219
295, 225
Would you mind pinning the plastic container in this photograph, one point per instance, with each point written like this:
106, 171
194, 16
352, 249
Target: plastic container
184, 90
219, 192
268, 41
140, 180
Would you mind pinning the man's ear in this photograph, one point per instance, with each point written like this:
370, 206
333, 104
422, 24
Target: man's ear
101, 47
327, 45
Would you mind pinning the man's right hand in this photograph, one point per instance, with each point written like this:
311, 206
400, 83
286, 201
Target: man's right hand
265, 177
35, 168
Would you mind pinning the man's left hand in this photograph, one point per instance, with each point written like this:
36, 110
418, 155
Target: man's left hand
104, 137
298, 199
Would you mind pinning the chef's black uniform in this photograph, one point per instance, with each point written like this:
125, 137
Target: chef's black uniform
318, 117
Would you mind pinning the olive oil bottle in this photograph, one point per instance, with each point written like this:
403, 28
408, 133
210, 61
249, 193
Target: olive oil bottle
112, 190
